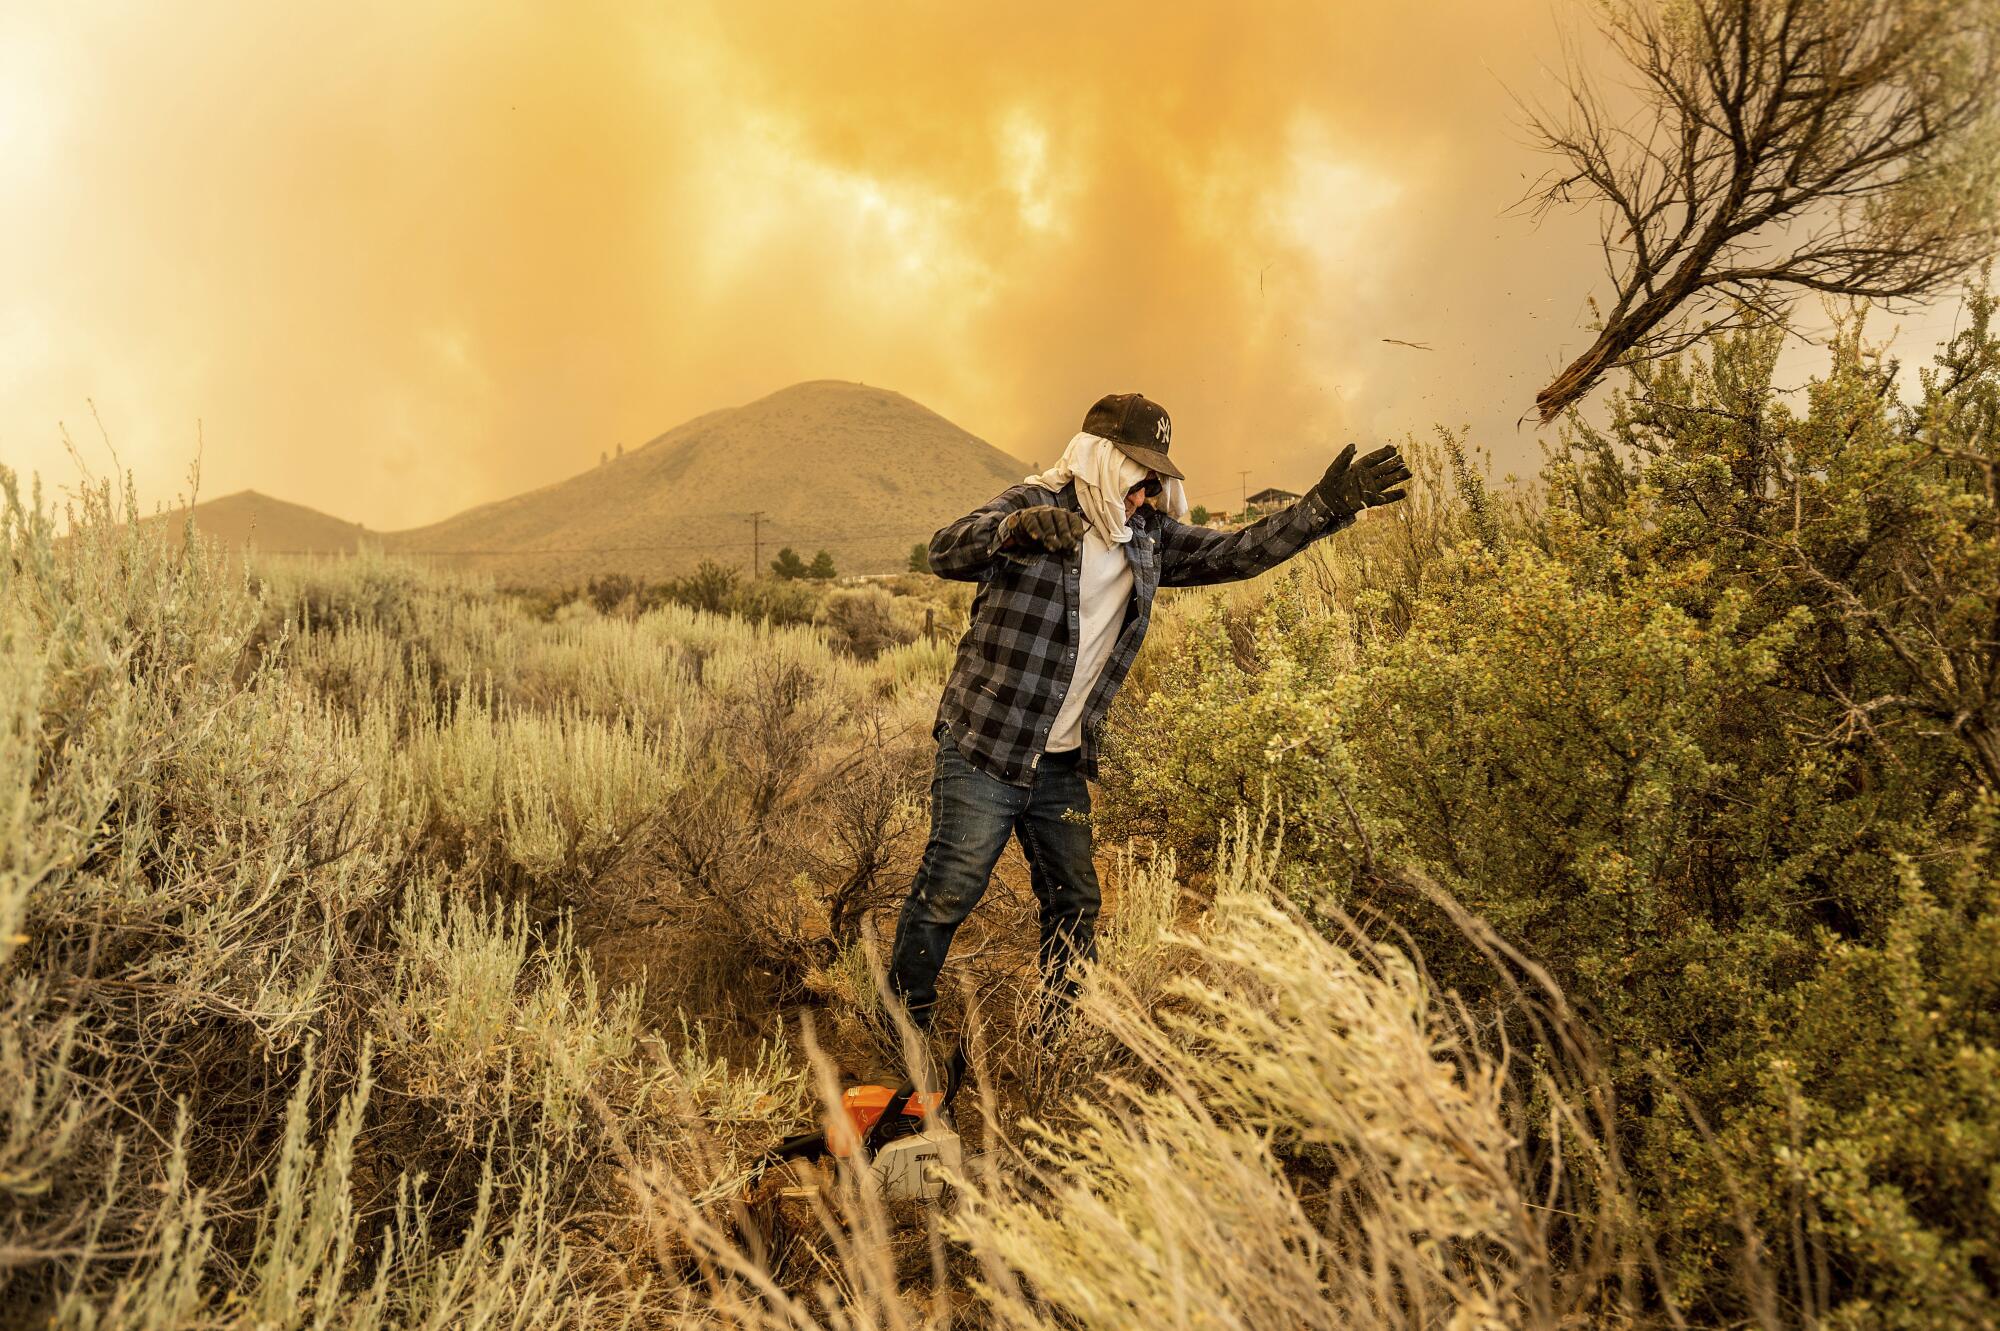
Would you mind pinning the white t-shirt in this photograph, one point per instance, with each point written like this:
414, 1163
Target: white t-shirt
1104, 586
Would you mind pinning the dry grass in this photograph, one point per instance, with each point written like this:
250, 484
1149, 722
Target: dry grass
1286, 1132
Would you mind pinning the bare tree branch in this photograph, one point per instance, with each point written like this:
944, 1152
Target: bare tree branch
1844, 146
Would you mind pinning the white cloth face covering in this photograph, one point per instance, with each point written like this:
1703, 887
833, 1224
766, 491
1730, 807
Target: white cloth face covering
1103, 474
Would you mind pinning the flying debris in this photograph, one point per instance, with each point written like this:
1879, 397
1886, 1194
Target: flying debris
1419, 346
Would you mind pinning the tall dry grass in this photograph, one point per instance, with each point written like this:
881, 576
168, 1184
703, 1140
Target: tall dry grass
1288, 1132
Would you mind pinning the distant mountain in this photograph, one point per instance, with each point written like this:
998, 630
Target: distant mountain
269, 525
862, 472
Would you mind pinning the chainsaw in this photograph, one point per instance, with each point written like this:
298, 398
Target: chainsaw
904, 1134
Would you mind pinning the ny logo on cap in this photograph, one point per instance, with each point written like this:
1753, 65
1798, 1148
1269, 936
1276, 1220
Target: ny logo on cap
1160, 429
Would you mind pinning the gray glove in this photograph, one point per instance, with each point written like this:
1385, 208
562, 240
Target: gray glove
1051, 528
1350, 486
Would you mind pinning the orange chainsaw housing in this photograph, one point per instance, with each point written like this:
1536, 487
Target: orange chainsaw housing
861, 1107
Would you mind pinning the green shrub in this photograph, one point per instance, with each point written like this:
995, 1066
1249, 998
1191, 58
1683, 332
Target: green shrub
1705, 735
711, 587
779, 602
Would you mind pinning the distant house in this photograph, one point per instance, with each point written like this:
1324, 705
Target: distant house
1268, 500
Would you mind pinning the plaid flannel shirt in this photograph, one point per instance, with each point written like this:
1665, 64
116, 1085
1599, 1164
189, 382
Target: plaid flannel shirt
1018, 655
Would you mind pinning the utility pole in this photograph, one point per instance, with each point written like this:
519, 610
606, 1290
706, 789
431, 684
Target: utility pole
756, 542
1244, 512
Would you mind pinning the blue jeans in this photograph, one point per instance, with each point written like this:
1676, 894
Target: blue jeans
972, 815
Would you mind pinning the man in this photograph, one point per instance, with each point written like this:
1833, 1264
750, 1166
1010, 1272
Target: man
1068, 563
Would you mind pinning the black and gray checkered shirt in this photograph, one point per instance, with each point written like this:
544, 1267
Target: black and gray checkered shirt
1019, 652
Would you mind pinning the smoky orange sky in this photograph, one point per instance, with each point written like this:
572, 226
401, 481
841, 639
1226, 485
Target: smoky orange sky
400, 259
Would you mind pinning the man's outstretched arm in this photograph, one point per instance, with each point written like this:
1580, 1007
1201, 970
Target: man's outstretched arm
1195, 556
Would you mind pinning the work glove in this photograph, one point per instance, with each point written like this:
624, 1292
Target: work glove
1054, 529
1350, 486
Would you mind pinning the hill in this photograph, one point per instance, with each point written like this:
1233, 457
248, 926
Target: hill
861, 472
272, 526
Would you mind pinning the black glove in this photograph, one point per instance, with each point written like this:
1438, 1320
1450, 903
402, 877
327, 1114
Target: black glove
1052, 528
1350, 486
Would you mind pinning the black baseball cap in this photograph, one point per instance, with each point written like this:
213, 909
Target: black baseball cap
1140, 428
